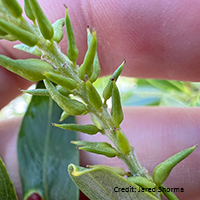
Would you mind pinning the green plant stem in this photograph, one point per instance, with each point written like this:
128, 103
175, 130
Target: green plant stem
53, 55
130, 160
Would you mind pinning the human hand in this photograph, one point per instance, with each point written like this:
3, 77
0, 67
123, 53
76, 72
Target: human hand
159, 39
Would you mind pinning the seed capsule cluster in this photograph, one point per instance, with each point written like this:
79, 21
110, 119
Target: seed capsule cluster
72, 87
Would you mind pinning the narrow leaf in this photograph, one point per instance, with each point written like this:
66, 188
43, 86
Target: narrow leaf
7, 190
45, 151
102, 183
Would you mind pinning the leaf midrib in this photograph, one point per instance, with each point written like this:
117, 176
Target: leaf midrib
45, 167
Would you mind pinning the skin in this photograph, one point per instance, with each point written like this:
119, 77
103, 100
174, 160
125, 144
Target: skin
159, 39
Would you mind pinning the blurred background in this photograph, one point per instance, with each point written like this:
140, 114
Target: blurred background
134, 92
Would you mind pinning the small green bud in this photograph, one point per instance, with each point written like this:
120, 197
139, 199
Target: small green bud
142, 182
108, 152
89, 36
21, 34
86, 69
63, 90
107, 92
96, 66
116, 110
123, 142
65, 82
72, 51
101, 148
44, 24
93, 95
89, 128
162, 171
13, 7
70, 106
118, 71
93, 144
117, 170
32, 50
30, 69
37, 92
28, 10
170, 195
58, 31
63, 116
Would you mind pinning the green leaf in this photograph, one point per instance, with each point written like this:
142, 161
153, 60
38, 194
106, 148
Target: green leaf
100, 183
165, 85
44, 152
7, 190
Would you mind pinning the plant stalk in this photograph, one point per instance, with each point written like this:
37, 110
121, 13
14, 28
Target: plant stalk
53, 55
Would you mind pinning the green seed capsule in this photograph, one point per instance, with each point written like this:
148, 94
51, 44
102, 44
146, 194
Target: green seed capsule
86, 69
116, 110
162, 171
123, 142
142, 182
70, 106
65, 82
89, 37
72, 51
102, 148
30, 69
96, 66
37, 92
93, 95
96, 70
58, 31
89, 128
44, 24
117, 170
28, 10
92, 144
108, 152
63, 90
13, 7
170, 195
107, 92
22, 35
63, 116
118, 71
